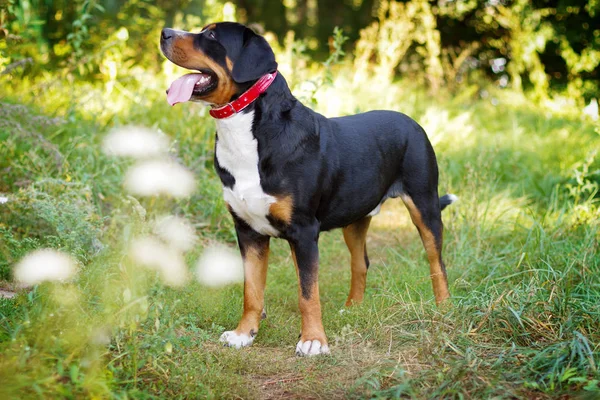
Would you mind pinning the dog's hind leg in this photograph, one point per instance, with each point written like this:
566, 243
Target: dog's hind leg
355, 236
424, 209
419, 192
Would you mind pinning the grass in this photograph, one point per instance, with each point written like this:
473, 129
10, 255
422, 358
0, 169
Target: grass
521, 248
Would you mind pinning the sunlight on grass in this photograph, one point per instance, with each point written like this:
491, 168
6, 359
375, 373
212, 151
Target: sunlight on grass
521, 247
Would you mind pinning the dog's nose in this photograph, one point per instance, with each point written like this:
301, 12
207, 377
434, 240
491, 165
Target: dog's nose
167, 34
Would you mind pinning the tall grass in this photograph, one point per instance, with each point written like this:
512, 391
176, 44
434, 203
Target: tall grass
521, 248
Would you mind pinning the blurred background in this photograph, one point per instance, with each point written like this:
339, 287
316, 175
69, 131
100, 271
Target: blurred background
543, 47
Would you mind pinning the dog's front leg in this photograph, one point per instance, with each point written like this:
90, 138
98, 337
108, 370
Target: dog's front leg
305, 253
255, 253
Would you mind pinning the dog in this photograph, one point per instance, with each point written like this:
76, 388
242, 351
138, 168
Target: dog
291, 173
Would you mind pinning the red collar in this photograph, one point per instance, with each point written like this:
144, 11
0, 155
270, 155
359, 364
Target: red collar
245, 99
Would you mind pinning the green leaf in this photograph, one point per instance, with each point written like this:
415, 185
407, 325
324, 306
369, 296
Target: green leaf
568, 374
74, 373
592, 386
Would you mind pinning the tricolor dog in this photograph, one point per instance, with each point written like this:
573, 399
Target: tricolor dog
291, 173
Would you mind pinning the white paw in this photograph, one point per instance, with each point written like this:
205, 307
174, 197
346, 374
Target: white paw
232, 339
311, 348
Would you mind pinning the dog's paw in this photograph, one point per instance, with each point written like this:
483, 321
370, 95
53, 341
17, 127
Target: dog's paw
237, 340
311, 348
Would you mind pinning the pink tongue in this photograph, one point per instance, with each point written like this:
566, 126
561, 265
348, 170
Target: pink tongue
182, 88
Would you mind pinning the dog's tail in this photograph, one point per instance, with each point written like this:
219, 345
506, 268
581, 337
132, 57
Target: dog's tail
447, 199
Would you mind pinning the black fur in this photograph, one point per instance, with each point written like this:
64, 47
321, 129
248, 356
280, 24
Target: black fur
337, 170
445, 201
255, 59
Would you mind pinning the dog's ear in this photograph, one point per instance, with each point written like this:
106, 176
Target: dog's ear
255, 60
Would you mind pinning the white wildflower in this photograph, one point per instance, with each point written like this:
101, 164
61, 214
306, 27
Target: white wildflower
591, 110
176, 231
3, 199
45, 265
135, 141
219, 266
150, 178
101, 336
153, 254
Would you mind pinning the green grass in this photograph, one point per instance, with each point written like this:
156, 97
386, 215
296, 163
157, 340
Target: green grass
521, 248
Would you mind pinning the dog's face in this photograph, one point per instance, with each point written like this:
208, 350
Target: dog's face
227, 56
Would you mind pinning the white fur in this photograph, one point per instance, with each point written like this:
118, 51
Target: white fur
453, 198
375, 211
237, 153
232, 339
311, 348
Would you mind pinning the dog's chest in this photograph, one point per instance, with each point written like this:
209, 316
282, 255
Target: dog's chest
237, 153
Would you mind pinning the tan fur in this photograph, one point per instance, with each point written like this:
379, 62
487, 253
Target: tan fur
355, 236
310, 309
282, 209
438, 275
185, 55
255, 278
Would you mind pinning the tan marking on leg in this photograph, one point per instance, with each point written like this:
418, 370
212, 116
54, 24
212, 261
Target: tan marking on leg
310, 309
255, 278
184, 54
436, 270
283, 209
355, 236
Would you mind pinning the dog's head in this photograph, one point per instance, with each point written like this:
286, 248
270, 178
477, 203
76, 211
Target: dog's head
227, 57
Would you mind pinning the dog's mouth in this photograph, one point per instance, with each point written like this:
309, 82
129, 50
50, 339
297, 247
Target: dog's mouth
190, 86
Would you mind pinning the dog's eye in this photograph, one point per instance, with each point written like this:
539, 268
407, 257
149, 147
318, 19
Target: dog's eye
212, 35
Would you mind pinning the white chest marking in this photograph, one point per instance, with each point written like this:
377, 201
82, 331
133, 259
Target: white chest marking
237, 153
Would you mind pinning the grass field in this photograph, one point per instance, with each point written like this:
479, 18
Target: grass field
521, 248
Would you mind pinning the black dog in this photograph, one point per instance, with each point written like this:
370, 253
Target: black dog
289, 172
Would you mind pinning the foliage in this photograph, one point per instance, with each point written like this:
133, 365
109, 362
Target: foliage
312, 86
521, 245
528, 39
387, 41
546, 48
